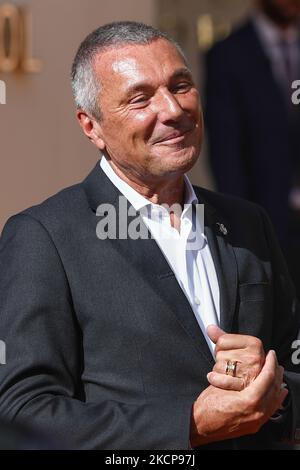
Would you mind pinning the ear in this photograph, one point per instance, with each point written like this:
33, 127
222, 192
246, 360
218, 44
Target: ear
91, 128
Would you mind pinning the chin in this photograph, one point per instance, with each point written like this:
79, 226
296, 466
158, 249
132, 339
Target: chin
179, 162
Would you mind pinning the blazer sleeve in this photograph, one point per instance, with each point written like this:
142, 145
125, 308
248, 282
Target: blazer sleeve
40, 383
286, 328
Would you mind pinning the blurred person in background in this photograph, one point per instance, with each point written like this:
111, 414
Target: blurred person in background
253, 126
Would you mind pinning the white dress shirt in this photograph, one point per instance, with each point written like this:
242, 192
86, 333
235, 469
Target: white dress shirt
187, 252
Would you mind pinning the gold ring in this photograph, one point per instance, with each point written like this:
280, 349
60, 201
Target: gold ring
231, 368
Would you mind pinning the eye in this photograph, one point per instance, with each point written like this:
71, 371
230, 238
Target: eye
140, 99
182, 87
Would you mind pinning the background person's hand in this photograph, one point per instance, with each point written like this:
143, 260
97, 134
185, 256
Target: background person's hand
246, 350
224, 414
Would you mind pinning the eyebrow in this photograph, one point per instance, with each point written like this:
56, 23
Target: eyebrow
179, 73
183, 72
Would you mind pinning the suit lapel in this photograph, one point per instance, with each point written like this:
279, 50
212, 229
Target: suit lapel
150, 262
222, 252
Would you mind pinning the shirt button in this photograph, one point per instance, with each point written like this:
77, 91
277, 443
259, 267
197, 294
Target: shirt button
197, 301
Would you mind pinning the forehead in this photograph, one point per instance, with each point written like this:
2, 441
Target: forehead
128, 63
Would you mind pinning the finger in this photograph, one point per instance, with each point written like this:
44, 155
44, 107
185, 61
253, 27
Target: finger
214, 332
225, 382
275, 357
261, 385
278, 404
221, 366
246, 360
235, 341
276, 390
283, 386
283, 394
266, 388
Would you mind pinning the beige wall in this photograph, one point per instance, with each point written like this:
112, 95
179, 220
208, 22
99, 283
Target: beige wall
41, 146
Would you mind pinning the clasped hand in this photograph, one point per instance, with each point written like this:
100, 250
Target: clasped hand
235, 406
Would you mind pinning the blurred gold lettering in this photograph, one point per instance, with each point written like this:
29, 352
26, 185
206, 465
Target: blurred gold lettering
2, 92
9, 38
16, 41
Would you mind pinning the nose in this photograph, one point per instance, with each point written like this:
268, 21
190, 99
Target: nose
167, 106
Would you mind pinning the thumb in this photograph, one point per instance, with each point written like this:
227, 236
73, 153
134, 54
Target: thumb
266, 377
214, 332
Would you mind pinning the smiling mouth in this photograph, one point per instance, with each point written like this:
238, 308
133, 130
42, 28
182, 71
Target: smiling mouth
173, 138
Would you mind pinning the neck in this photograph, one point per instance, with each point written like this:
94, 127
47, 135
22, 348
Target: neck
164, 190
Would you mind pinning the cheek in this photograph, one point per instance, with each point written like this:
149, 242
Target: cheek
191, 104
141, 116
142, 124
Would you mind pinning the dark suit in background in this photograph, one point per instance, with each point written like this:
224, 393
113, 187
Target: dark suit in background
253, 132
103, 348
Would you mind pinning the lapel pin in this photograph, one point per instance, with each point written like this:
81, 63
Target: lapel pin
222, 228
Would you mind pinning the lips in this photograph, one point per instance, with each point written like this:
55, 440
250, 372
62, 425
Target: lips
173, 137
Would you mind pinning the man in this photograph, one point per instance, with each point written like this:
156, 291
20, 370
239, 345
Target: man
253, 126
110, 335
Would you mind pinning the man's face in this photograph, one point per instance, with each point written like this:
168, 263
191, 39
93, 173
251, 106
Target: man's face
151, 122
283, 12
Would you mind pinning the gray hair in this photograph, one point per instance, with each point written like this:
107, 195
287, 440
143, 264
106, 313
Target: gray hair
85, 85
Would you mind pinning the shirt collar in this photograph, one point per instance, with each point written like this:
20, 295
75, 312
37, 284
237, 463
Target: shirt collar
272, 34
136, 199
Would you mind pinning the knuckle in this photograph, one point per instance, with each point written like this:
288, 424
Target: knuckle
217, 355
242, 384
218, 368
257, 342
221, 342
257, 345
255, 359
